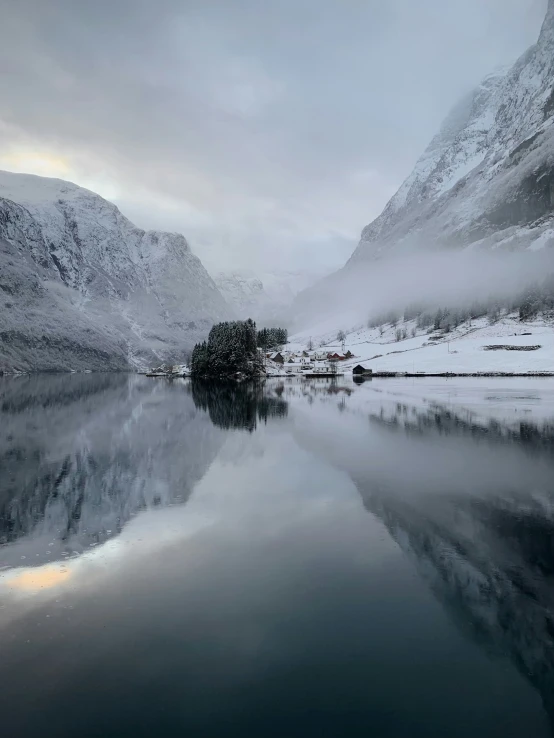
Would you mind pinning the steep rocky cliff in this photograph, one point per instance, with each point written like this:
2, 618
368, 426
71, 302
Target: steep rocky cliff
487, 179
82, 288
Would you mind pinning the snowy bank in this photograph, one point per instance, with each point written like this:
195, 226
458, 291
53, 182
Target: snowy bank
506, 347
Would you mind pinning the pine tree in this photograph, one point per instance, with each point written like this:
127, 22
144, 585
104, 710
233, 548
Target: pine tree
231, 349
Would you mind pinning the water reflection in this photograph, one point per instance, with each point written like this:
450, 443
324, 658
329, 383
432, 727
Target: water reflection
469, 498
81, 455
271, 571
232, 405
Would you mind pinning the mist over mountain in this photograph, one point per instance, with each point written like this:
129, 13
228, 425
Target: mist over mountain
484, 185
265, 297
82, 288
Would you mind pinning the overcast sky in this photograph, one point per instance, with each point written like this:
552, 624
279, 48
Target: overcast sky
268, 131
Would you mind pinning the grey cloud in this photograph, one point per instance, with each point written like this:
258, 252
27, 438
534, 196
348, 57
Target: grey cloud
263, 118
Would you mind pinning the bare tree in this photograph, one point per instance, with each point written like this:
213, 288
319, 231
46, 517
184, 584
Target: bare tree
341, 336
310, 345
398, 335
381, 330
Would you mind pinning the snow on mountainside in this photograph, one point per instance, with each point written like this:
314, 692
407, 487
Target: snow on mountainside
485, 183
464, 350
82, 288
263, 297
487, 179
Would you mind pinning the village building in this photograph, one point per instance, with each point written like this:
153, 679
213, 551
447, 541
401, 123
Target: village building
361, 370
301, 368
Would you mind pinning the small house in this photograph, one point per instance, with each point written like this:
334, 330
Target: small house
360, 370
277, 357
336, 357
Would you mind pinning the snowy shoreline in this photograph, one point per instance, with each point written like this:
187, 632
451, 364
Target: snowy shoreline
506, 347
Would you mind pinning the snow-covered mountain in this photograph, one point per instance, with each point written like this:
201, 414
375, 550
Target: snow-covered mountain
81, 287
263, 297
486, 181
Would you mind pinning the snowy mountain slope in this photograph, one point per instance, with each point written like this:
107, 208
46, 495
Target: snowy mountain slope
485, 183
488, 177
245, 293
459, 147
143, 296
264, 297
462, 351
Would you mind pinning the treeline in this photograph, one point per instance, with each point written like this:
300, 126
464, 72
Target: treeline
269, 338
533, 300
230, 351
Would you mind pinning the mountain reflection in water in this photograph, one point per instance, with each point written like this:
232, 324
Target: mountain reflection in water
292, 517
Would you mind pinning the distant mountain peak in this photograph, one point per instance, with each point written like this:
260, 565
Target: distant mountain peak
265, 296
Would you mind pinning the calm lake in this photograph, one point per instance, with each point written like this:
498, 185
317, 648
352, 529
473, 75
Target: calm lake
300, 559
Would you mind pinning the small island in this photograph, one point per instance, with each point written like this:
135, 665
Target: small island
230, 353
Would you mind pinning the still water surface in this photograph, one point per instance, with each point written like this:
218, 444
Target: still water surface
307, 559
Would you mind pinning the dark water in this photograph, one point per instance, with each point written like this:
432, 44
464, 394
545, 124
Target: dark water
301, 560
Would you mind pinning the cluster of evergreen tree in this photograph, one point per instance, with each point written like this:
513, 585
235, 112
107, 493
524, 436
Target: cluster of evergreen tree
230, 350
270, 338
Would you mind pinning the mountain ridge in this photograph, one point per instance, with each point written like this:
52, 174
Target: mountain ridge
485, 183
143, 294
510, 119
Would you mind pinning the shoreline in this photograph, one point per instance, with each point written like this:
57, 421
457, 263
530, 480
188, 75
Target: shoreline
340, 375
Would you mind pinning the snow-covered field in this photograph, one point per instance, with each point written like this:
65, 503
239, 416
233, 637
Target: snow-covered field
463, 351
